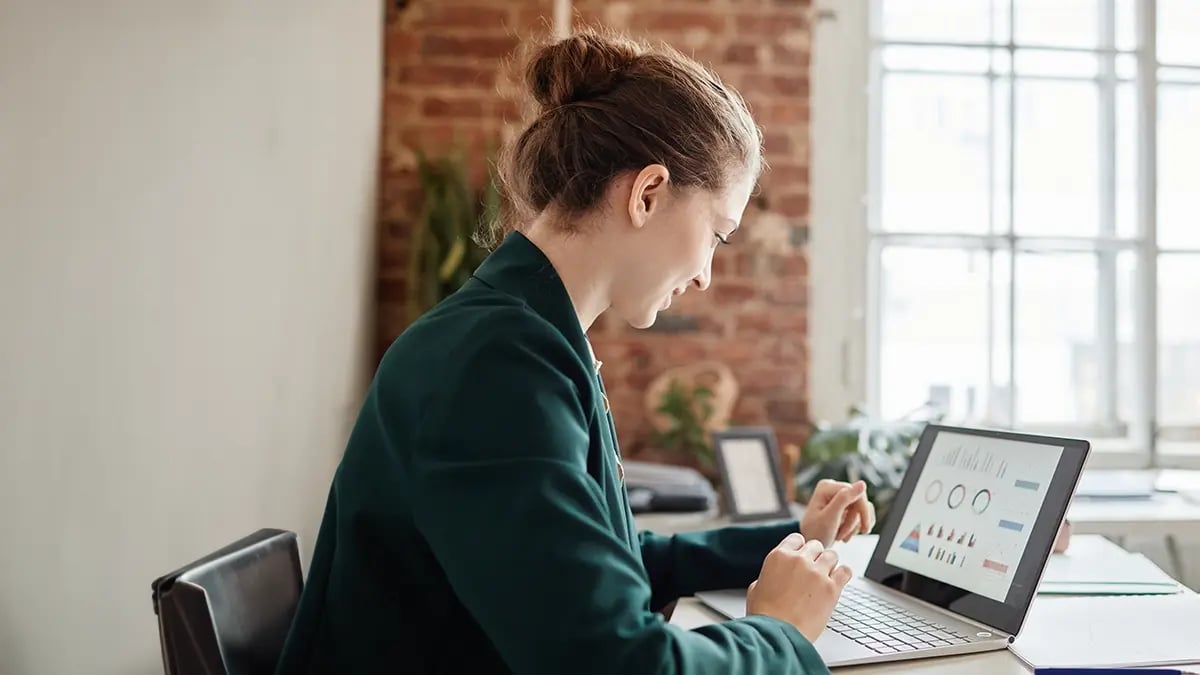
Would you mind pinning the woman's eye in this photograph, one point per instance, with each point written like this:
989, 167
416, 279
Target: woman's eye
723, 240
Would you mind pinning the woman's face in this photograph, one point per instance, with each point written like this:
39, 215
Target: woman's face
671, 246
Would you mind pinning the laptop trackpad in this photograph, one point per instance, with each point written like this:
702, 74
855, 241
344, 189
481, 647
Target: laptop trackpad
835, 649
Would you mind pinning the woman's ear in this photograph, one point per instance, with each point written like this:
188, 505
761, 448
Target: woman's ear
649, 189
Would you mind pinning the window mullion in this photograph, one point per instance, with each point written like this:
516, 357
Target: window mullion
1146, 307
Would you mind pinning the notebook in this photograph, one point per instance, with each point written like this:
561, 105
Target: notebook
1095, 566
1120, 631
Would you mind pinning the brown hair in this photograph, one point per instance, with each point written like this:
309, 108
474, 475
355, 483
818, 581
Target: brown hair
608, 104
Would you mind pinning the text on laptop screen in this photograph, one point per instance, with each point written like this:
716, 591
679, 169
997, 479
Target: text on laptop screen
972, 511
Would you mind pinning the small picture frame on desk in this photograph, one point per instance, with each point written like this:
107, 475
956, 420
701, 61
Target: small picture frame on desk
751, 478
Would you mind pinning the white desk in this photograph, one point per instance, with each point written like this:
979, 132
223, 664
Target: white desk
691, 613
1170, 516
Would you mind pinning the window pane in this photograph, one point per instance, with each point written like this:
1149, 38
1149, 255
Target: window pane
1056, 64
941, 20
1126, 24
1127, 161
1057, 154
934, 154
937, 59
1178, 24
1056, 349
934, 331
1178, 158
1179, 339
1075, 351
1057, 23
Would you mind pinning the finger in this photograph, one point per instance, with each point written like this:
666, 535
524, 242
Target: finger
841, 575
792, 542
849, 527
812, 548
870, 518
827, 560
846, 496
826, 488
862, 513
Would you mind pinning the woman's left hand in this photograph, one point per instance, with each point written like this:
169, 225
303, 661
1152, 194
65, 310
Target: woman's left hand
837, 511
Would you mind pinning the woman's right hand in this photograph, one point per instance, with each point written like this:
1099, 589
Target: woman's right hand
800, 583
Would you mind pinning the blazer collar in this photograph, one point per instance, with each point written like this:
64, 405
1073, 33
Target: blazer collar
518, 267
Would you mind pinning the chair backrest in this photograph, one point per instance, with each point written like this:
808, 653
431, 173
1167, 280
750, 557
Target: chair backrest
229, 612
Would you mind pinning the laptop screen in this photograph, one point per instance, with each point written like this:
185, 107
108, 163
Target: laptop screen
973, 523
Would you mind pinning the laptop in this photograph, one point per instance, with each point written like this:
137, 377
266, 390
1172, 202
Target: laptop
961, 553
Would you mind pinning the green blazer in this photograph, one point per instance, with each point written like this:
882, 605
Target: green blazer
478, 524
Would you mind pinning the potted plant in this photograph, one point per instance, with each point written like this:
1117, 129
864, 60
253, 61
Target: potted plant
684, 440
443, 255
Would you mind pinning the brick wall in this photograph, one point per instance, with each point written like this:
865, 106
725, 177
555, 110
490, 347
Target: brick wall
445, 75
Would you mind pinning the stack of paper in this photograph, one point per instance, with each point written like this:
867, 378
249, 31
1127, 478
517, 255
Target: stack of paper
1110, 632
1095, 566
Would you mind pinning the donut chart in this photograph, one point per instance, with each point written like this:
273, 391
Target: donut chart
933, 492
981, 501
958, 494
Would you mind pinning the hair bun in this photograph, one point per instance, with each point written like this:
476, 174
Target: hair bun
579, 68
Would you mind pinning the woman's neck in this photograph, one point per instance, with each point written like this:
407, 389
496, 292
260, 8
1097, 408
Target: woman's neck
580, 264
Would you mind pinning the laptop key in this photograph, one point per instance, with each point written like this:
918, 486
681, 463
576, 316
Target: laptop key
884, 649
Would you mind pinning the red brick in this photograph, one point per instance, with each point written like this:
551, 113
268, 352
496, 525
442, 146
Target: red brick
450, 17
789, 292
679, 350
507, 110
777, 142
793, 265
675, 20
746, 54
770, 25
489, 47
400, 45
791, 57
391, 290
452, 107
787, 112
790, 176
790, 85
790, 321
750, 410
753, 322
793, 205
763, 381
537, 19
738, 351
788, 410
447, 75
733, 292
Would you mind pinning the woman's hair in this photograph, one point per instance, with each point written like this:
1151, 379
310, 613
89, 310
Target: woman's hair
608, 104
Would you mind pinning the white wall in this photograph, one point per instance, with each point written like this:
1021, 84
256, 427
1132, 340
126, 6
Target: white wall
186, 254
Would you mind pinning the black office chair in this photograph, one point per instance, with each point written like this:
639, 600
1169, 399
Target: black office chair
229, 612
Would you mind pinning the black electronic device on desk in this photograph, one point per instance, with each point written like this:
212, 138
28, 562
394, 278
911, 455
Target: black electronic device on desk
656, 487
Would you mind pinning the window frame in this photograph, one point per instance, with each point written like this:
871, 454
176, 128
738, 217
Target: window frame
845, 250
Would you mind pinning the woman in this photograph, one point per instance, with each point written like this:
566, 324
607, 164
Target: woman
478, 522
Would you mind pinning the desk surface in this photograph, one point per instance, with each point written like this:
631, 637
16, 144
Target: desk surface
1160, 515
691, 613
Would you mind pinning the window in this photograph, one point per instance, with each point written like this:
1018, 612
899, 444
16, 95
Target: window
1029, 232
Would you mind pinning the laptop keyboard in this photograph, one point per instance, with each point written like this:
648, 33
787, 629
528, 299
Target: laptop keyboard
885, 628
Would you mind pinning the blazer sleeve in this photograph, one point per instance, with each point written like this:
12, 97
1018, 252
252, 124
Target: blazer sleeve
730, 557
499, 489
